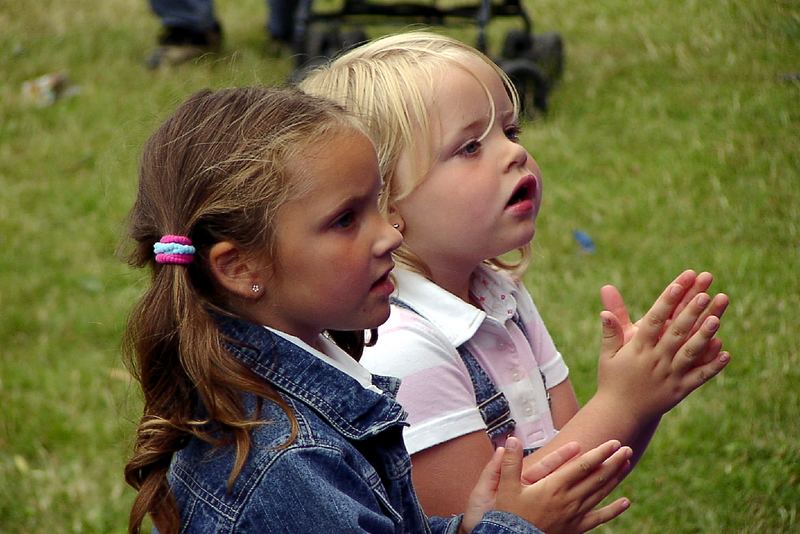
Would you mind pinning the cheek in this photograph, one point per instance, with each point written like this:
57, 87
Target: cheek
346, 271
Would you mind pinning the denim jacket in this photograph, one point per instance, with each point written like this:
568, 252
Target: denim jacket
346, 471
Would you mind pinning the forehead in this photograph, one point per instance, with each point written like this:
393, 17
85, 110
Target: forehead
342, 165
466, 92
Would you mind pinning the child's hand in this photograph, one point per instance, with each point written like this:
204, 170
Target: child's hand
482, 497
564, 500
612, 301
669, 353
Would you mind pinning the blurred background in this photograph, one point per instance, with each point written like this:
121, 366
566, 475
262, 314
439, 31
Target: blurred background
671, 142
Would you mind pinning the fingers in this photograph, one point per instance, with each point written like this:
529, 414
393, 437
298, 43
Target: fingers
511, 465
602, 481
613, 336
717, 308
652, 323
705, 372
482, 497
701, 284
539, 469
612, 301
490, 475
580, 468
596, 481
681, 328
695, 348
595, 518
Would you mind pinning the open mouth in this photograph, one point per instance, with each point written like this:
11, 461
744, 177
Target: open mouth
525, 190
381, 280
384, 282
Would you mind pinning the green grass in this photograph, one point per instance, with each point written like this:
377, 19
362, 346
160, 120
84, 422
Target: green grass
672, 140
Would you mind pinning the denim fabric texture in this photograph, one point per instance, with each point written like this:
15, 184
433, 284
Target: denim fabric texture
347, 470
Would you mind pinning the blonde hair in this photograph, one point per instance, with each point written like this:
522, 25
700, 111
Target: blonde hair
218, 169
388, 83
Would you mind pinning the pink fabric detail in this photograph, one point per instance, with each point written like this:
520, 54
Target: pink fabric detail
178, 259
169, 238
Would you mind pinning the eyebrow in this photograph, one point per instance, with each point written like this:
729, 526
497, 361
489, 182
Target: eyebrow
350, 201
481, 123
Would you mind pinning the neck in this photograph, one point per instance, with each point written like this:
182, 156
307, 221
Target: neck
456, 281
452, 273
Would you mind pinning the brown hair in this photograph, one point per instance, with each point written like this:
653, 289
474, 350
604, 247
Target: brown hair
216, 170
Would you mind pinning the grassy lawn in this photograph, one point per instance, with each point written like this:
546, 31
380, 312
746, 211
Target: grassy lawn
673, 140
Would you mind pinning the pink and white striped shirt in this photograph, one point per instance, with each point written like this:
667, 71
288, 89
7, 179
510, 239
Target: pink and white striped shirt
436, 390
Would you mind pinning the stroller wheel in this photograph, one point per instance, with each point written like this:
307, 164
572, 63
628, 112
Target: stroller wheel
517, 44
548, 53
352, 38
531, 84
322, 42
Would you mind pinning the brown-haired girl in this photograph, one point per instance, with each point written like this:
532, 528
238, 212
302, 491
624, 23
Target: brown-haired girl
257, 214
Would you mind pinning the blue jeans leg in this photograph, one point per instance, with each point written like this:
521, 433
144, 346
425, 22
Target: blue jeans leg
281, 18
197, 15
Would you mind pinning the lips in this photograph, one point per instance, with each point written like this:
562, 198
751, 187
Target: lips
384, 283
525, 191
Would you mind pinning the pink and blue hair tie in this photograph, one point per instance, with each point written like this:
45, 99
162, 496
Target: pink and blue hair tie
174, 249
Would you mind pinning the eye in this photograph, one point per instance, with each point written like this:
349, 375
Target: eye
471, 148
346, 220
513, 132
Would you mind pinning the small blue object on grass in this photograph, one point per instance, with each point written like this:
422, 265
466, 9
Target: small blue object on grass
585, 242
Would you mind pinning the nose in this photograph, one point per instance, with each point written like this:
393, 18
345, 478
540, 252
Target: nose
518, 156
389, 239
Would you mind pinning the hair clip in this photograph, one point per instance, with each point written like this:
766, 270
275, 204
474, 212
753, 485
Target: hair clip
174, 249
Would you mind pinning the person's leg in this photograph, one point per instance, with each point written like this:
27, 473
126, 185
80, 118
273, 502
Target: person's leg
189, 30
281, 19
197, 15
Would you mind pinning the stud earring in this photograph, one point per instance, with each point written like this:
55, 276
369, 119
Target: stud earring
255, 288
396, 226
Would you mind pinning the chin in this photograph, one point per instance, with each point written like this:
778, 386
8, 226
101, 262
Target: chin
381, 317
374, 318
526, 237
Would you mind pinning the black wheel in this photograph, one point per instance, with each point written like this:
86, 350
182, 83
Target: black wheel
531, 84
321, 44
548, 53
517, 44
352, 38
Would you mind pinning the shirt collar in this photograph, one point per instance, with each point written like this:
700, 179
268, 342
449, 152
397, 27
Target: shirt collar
456, 319
354, 411
496, 291
333, 355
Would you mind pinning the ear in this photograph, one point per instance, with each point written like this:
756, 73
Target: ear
395, 219
236, 271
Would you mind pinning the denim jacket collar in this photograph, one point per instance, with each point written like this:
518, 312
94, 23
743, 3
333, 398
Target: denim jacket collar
354, 411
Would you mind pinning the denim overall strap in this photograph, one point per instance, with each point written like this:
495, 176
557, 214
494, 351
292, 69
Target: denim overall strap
521, 326
491, 402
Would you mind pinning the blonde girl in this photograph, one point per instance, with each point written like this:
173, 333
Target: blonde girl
475, 359
257, 217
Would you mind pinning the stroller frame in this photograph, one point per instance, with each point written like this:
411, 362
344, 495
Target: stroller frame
534, 63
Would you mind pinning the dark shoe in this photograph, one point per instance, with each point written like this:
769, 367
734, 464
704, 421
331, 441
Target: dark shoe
179, 45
